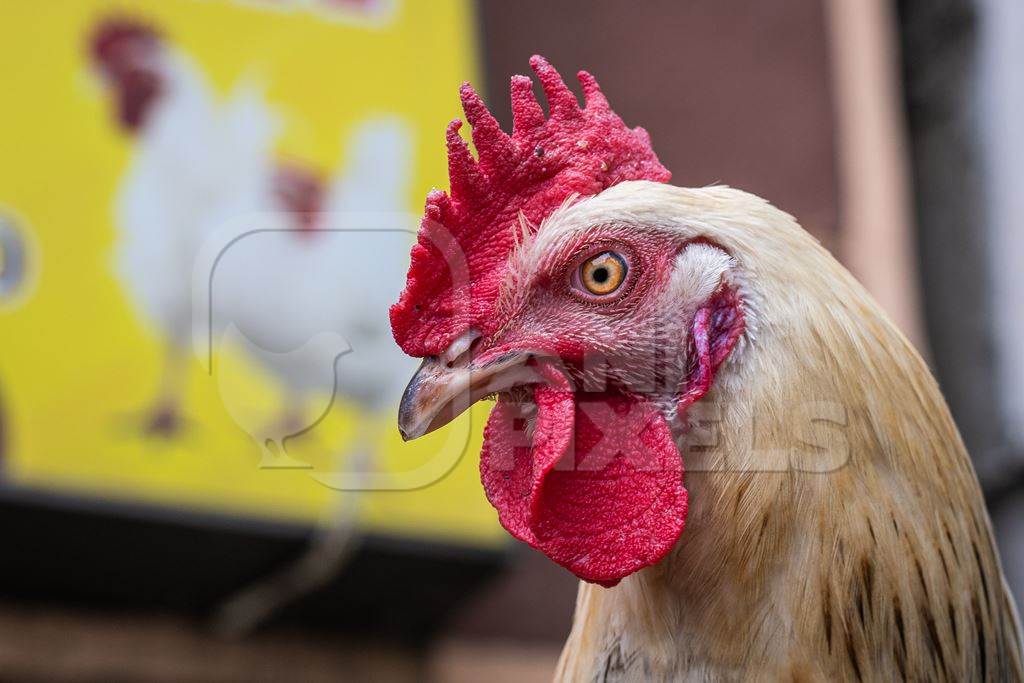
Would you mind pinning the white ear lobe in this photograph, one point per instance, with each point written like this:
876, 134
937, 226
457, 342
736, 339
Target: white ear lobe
697, 273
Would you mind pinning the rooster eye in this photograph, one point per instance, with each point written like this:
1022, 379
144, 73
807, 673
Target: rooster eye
601, 275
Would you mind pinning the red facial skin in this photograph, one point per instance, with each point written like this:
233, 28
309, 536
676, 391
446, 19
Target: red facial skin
126, 53
598, 485
628, 329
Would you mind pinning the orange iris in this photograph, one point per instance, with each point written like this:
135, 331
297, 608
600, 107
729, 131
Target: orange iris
603, 274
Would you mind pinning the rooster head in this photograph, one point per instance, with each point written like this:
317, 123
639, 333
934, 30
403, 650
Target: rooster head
127, 55
534, 280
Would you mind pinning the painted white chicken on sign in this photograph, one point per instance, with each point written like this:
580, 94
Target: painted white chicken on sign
219, 246
296, 282
310, 305
195, 162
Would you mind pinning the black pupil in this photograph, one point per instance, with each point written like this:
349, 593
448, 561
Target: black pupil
600, 275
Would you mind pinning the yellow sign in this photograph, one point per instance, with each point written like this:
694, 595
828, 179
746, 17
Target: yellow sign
131, 135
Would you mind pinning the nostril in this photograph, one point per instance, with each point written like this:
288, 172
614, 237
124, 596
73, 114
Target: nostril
460, 350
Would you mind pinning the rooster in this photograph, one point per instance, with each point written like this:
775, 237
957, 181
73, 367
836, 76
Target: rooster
279, 289
830, 527
288, 288
196, 163
203, 170
313, 318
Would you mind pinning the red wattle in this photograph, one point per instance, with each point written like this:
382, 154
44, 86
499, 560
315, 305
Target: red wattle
603, 501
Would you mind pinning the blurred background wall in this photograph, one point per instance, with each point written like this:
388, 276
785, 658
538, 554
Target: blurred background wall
889, 129
961, 62
999, 108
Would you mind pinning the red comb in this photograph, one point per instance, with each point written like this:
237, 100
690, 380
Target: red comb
114, 32
460, 257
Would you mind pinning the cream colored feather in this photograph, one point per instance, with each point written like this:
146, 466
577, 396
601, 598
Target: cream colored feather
837, 530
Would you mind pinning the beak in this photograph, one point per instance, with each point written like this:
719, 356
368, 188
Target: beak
440, 391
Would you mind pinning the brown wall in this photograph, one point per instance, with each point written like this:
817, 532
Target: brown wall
732, 91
